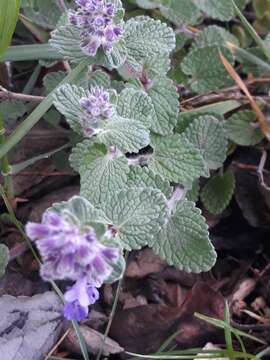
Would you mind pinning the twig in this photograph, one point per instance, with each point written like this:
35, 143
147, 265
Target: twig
9, 95
57, 344
62, 6
260, 170
254, 327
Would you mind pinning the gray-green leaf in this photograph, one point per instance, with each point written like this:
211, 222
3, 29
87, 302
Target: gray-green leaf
207, 134
217, 9
218, 191
241, 130
137, 214
206, 69
177, 160
184, 240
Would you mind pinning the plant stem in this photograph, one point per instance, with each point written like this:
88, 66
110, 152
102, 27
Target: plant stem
5, 168
252, 32
112, 313
39, 111
9, 95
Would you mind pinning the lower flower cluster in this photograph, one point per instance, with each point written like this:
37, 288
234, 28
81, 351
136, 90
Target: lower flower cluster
72, 253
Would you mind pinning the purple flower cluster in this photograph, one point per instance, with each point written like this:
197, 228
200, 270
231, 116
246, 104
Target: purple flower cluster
95, 19
71, 253
96, 106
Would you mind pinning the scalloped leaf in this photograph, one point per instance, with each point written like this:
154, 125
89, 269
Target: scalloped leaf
143, 177
218, 192
101, 173
206, 69
67, 102
4, 258
100, 78
165, 101
146, 37
176, 160
66, 39
137, 214
181, 12
240, 130
184, 240
207, 134
194, 193
214, 35
127, 135
217, 9
116, 57
80, 211
43, 13
135, 104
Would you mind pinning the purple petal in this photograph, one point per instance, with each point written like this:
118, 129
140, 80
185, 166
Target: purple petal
36, 231
74, 311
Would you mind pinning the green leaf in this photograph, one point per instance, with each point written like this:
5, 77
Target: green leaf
194, 192
143, 177
101, 173
149, 4
127, 135
181, 12
206, 69
43, 13
52, 80
187, 117
66, 39
136, 105
184, 240
241, 130
67, 102
137, 214
4, 258
11, 110
116, 57
217, 9
100, 78
176, 160
146, 37
218, 191
214, 35
164, 97
9, 11
80, 211
207, 134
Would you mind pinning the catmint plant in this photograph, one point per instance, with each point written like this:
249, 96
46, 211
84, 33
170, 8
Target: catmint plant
139, 158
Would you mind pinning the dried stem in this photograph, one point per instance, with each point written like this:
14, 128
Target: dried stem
9, 95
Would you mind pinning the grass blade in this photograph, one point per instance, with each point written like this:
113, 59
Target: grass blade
30, 52
9, 12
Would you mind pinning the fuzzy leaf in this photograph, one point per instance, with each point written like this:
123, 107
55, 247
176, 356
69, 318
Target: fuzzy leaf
4, 258
165, 103
218, 191
43, 13
136, 105
176, 160
137, 214
214, 35
217, 9
239, 129
11, 110
80, 211
66, 39
207, 134
67, 102
143, 177
52, 80
194, 192
101, 173
116, 57
127, 135
184, 240
206, 69
100, 78
181, 12
146, 37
